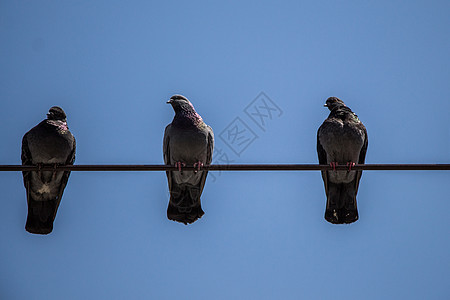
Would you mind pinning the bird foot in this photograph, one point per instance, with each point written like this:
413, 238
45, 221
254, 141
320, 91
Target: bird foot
350, 165
198, 165
333, 165
179, 165
54, 171
39, 167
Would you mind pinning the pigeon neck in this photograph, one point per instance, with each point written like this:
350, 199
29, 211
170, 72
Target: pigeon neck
187, 118
60, 124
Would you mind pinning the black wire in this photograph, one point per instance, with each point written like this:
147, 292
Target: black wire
231, 167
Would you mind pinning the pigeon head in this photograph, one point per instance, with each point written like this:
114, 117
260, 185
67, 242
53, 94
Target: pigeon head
179, 102
334, 102
56, 113
185, 113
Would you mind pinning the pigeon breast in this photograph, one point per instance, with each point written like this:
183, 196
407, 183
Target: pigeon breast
53, 143
342, 140
189, 146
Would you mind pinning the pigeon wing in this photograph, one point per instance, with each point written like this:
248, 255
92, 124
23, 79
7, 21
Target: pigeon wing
362, 157
26, 160
322, 154
166, 153
210, 150
65, 177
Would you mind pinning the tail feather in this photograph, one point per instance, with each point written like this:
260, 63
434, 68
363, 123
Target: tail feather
184, 204
41, 215
341, 203
184, 215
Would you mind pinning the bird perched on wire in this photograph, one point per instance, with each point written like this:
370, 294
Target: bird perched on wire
48, 143
341, 139
187, 141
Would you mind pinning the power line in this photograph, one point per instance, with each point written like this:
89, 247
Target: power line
231, 167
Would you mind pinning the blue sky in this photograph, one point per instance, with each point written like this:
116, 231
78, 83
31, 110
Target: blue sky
112, 65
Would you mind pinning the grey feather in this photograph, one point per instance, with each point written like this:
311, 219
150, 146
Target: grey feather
187, 140
48, 143
342, 139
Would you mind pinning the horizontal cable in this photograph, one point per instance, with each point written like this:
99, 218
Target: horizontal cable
232, 167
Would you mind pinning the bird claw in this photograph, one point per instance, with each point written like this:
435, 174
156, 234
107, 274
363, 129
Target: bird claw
179, 165
350, 165
333, 165
39, 167
198, 165
54, 171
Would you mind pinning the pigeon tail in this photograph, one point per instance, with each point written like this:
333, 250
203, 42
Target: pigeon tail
184, 215
41, 215
184, 204
341, 216
341, 203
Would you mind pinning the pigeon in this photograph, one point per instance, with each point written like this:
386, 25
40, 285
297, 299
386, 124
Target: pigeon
187, 141
341, 139
48, 143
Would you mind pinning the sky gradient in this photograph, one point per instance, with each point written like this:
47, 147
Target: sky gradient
112, 65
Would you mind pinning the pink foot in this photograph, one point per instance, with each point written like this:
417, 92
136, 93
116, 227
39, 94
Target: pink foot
179, 165
333, 164
350, 165
198, 165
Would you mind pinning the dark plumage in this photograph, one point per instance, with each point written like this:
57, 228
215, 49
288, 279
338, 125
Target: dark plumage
187, 141
341, 139
48, 143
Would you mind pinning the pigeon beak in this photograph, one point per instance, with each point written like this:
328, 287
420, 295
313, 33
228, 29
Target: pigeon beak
325, 105
169, 102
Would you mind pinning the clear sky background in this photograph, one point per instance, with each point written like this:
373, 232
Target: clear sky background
112, 65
